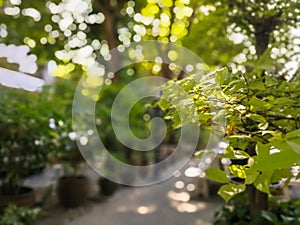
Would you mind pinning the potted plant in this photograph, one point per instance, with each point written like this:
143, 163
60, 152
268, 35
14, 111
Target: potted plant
73, 187
24, 142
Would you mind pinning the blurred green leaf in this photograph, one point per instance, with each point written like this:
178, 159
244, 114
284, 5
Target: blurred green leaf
216, 175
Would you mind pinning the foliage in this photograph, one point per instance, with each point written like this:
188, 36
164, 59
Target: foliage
19, 215
63, 138
25, 135
236, 212
258, 101
139, 127
284, 213
64, 141
261, 113
209, 32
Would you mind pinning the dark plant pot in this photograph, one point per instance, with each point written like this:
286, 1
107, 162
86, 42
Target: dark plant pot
26, 197
107, 187
73, 191
3, 174
37, 170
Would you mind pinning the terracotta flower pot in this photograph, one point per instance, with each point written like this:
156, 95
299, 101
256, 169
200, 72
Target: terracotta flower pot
73, 191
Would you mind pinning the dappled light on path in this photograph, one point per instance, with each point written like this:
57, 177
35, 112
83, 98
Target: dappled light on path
146, 209
170, 202
181, 197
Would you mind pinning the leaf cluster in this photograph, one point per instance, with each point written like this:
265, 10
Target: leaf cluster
19, 215
262, 117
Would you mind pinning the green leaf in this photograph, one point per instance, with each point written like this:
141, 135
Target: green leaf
257, 85
220, 75
239, 141
217, 175
283, 101
263, 181
257, 118
229, 152
294, 143
282, 173
283, 159
269, 216
199, 154
228, 191
293, 134
281, 144
263, 126
235, 154
164, 104
262, 149
203, 153
251, 177
234, 86
257, 103
238, 154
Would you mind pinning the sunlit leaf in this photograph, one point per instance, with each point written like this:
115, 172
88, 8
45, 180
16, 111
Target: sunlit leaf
237, 170
227, 191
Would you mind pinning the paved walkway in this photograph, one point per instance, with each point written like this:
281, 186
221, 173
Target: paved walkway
167, 203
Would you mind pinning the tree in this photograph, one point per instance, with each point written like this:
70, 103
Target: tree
259, 102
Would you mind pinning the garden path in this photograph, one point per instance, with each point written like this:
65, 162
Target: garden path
168, 203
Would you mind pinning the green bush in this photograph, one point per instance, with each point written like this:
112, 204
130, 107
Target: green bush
14, 215
237, 212
26, 138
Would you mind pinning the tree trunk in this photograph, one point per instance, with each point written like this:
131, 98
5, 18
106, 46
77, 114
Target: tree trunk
110, 27
258, 201
110, 34
263, 28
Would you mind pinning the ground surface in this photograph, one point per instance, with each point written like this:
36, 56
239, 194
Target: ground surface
167, 203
